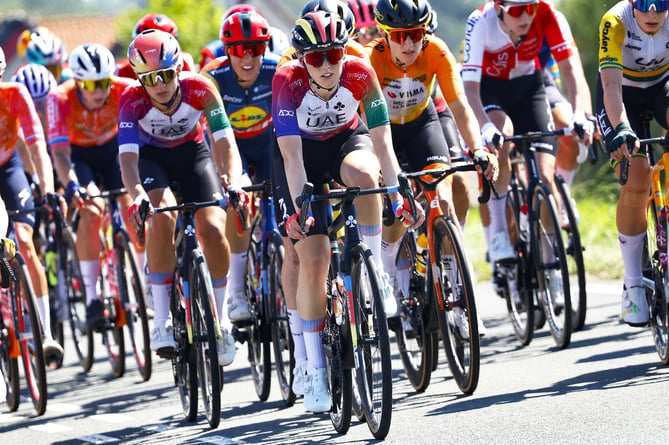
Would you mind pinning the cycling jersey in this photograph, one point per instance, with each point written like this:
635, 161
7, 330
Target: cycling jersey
489, 51
298, 111
69, 122
17, 109
353, 48
407, 90
643, 58
140, 123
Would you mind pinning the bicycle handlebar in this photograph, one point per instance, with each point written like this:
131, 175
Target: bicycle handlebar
438, 174
624, 164
535, 135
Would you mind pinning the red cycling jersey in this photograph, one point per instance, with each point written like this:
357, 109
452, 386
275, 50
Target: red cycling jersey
17, 109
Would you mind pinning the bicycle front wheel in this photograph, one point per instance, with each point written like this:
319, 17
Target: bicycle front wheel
458, 318
184, 363
654, 273
204, 337
551, 266
9, 350
372, 351
29, 328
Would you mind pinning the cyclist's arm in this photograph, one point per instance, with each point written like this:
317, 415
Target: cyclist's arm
473, 94
227, 159
24, 154
296, 175
467, 123
382, 140
130, 174
612, 84
574, 80
42, 162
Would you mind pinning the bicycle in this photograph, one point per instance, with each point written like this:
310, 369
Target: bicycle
194, 321
21, 335
267, 304
356, 334
525, 281
435, 286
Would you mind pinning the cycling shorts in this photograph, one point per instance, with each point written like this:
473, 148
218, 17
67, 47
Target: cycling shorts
15, 189
188, 166
98, 165
524, 100
255, 157
322, 162
455, 144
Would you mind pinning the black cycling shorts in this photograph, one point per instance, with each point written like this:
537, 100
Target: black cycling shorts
97, 164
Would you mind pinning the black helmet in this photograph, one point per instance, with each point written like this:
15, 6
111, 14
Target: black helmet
333, 7
402, 14
318, 30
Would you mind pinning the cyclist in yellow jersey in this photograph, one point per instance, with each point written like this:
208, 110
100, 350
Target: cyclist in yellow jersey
633, 74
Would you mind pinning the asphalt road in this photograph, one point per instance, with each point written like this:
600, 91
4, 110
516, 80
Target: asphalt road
607, 387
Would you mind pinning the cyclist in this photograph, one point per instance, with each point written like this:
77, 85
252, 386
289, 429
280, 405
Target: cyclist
154, 21
407, 61
366, 29
319, 133
161, 141
505, 88
18, 115
82, 127
634, 40
39, 45
245, 76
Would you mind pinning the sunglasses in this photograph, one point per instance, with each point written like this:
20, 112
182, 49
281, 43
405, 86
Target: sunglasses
402, 35
150, 79
646, 5
316, 58
92, 85
242, 49
516, 11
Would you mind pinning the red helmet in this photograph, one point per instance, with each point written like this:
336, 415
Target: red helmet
156, 21
363, 11
241, 7
244, 27
152, 50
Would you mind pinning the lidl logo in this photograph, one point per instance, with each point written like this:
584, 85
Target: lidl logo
247, 117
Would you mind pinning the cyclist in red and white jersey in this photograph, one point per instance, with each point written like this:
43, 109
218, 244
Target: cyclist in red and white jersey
161, 141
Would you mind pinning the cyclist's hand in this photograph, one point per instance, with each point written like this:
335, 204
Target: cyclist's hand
55, 200
134, 215
582, 128
486, 164
75, 194
293, 229
402, 211
238, 198
624, 142
491, 137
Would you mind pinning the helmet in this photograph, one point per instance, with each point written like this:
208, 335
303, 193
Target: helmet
45, 48
156, 21
92, 62
152, 50
37, 78
333, 7
432, 23
318, 30
241, 7
278, 41
3, 62
25, 37
363, 12
402, 14
244, 27
518, 2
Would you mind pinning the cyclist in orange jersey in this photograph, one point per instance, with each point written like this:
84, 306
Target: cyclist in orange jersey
82, 119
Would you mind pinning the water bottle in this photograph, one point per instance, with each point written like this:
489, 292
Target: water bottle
421, 263
661, 234
338, 293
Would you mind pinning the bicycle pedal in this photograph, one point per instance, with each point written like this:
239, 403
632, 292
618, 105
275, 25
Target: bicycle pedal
167, 353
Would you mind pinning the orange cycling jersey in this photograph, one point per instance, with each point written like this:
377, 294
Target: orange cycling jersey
407, 90
70, 122
17, 109
353, 48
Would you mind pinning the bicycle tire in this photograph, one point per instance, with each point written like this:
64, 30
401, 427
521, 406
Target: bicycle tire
515, 277
416, 344
558, 317
571, 239
356, 401
184, 362
132, 301
29, 329
257, 328
9, 366
112, 332
373, 365
204, 337
82, 336
282, 340
657, 299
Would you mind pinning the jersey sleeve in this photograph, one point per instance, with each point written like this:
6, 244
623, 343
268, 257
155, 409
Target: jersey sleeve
213, 109
57, 134
447, 73
24, 109
611, 37
284, 105
558, 37
371, 97
128, 120
474, 44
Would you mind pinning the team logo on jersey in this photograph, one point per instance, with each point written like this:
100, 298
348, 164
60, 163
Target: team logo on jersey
247, 117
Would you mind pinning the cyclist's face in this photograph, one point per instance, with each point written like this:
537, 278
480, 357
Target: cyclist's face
650, 22
515, 25
94, 99
327, 74
405, 53
246, 67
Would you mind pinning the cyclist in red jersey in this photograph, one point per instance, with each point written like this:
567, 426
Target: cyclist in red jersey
82, 119
18, 115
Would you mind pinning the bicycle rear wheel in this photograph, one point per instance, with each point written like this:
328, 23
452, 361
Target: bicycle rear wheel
204, 337
415, 344
571, 239
134, 306
29, 329
9, 363
551, 266
112, 332
654, 283
372, 351
184, 363
282, 340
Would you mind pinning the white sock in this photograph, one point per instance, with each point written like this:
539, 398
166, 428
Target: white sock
497, 208
141, 262
90, 272
236, 272
371, 235
388, 256
161, 304
567, 175
314, 348
45, 315
299, 350
631, 248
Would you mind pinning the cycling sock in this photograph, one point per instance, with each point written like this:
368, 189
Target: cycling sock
220, 286
567, 175
388, 255
371, 235
236, 272
161, 304
313, 340
631, 248
90, 271
141, 261
45, 315
300, 351
497, 208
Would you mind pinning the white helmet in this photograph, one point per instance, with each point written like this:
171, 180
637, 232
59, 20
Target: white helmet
278, 41
37, 78
3, 62
92, 62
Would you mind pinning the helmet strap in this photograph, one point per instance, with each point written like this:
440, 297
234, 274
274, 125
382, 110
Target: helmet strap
172, 100
322, 87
